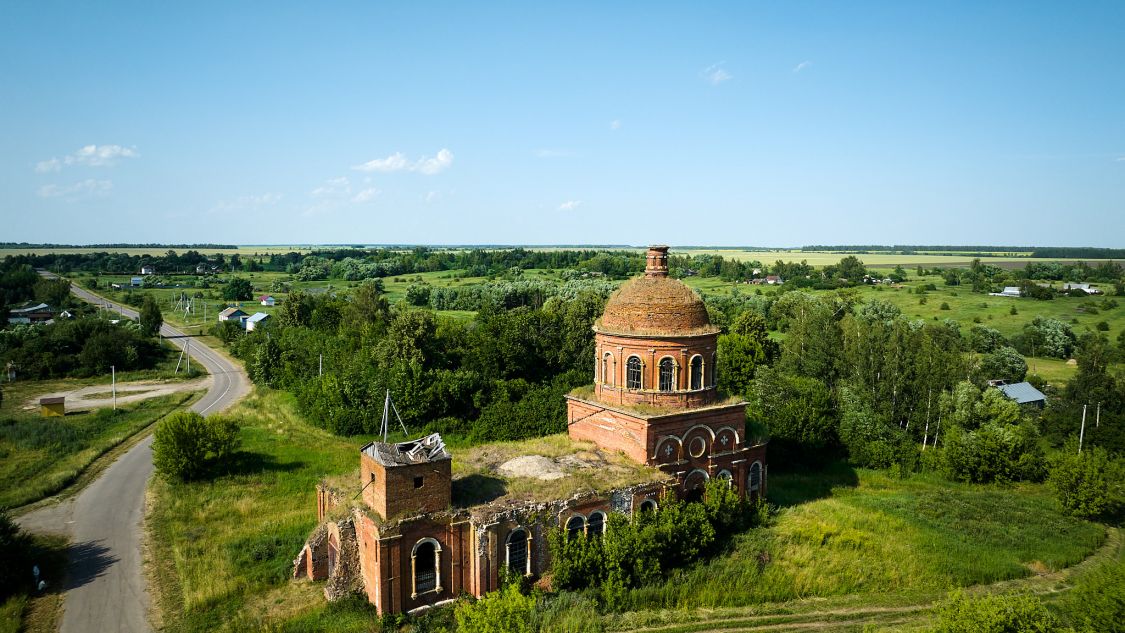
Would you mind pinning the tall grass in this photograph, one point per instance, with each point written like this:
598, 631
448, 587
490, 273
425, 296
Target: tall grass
41, 456
883, 535
226, 546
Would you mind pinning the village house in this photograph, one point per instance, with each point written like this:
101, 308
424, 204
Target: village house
418, 526
148, 270
267, 301
253, 322
1087, 288
232, 314
30, 313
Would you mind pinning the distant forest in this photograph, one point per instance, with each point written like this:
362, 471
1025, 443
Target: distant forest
121, 245
1081, 252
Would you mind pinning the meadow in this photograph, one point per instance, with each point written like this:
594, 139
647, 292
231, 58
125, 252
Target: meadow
41, 456
224, 548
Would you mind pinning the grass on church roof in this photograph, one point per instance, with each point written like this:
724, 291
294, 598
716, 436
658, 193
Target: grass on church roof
477, 479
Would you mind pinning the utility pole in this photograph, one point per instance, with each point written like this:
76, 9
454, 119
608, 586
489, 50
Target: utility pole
320, 371
113, 374
1082, 431
1098, 417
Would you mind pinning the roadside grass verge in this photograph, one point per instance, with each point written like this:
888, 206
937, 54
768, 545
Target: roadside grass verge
38, 612
222, 549
41, 456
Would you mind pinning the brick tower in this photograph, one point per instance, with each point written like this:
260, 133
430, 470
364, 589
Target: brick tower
654, 392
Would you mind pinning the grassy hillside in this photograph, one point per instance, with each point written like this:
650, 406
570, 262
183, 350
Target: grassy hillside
225, 547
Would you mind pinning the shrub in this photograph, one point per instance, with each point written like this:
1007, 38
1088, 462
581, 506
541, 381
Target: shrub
1005, 363
1081, 482
995, 614
186, 445
507, 610
1103, 326
1013, 311
15, 551
944, 305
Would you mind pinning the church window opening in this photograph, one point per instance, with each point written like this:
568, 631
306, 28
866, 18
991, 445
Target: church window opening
607, 369
518, 560
754, 481
633, 373
424, 563
667, 374
575, 526
596, 525
697, 372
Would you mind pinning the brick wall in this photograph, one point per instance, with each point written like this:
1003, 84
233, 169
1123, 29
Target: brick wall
395, 492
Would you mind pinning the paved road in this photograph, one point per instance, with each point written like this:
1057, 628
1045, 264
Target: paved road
106, 587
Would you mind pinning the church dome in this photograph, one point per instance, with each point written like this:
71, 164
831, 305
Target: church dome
655, 304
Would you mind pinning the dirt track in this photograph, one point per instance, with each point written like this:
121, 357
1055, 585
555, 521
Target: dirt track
98, 396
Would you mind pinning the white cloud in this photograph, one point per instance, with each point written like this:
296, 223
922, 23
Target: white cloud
399, 162
394, 162
431, 196
615, 124
570, 205
333, 187
367, 195
803, 65
715, 74
90, 156
436, 164
89, 187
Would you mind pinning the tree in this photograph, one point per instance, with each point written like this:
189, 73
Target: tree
186, 445
1082, 482
798, 412
150, 317
418, 294
983, 339
739, 356
852, 269
238, 289
1005, 363
1046, 337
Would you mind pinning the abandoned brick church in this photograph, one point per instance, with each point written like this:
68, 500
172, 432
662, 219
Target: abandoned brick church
653, 425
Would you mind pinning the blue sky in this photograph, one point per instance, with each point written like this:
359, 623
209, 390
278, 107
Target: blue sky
734, 123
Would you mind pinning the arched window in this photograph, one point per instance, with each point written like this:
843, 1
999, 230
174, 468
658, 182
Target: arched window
694, 485
754, 480
648, 505
575, 525
519, 541
633, 373
697, 372
726, 476
596, 525
607, 369
425, 563
667, 374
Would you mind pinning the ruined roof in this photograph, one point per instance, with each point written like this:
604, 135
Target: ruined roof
655, 306
430, 448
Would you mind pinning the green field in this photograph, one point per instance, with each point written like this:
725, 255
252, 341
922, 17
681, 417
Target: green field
41, 456
225, 547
